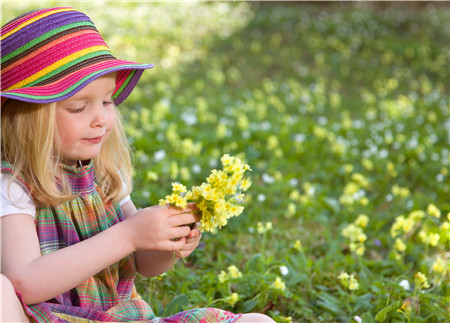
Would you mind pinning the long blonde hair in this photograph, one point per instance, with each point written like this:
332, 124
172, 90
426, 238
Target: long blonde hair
28, 133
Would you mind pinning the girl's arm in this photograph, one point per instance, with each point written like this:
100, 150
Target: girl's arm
155, 262
39, 278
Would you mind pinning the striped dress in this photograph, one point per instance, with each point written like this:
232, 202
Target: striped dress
110, 295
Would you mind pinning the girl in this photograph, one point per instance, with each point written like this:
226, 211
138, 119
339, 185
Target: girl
72, 239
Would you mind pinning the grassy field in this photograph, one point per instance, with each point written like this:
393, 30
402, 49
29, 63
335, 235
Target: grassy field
342, 112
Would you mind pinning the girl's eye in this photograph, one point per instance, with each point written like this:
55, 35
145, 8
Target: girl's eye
106, 103
77, 110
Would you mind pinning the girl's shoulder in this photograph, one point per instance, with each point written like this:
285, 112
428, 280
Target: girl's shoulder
7, 168
15, 194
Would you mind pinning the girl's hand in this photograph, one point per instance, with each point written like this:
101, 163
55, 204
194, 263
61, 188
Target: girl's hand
162, 228
192, 241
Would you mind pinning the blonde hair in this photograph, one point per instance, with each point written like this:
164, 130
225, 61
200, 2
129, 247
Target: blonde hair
28, 133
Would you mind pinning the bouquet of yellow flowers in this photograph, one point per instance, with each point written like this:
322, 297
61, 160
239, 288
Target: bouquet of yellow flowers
219, 198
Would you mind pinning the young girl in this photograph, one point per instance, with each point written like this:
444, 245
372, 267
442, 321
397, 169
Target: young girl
72, 239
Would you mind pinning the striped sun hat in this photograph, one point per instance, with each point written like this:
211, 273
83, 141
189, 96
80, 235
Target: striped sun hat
50, 54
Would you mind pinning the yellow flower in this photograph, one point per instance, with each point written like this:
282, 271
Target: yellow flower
416, 215
348, 281
438, 266
406, 308
223, 276
219, 198
367, 163
429, 238
298, 245
356, 237
278, 284
400, 191
400, 245
433, 211
362, 220
348, 168
421, 280
291, 209
234, 272
263, 228
232, 299
360, 179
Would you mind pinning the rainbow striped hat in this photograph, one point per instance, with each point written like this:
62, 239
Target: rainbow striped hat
50, 54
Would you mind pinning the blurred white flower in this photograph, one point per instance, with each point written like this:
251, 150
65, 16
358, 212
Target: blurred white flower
159, 155
268, 179
189, 118
284, 270
357, 319
261, 197
196, 168
405, 284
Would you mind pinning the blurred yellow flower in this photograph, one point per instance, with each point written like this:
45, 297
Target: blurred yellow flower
360, 179
362, 220
438, 266
231, 273
349, 281
400, 191
421, 280
232, 299
297, 245
400, 245
433, 211
263, 228
367, 163
278, 284
356, 237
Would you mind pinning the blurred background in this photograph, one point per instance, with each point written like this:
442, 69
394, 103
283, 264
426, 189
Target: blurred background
340, 108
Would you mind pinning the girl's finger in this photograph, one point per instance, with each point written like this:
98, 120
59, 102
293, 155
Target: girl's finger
182, 219
179, 232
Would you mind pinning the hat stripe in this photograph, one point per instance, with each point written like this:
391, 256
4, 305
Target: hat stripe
43, 26
43, 40
33, 52
30, 21
72, 67
46, 59
55, 65
13, 23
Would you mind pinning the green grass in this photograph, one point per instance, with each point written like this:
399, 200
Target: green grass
308, 95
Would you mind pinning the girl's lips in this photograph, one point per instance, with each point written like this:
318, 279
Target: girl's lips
95, 140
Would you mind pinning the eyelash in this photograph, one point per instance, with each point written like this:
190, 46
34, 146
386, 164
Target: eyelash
77, 110
106, 103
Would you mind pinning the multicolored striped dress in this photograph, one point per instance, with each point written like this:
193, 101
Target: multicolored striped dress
110, 295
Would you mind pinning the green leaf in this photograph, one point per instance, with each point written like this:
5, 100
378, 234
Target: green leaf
382, 315
256, 263
330, 304
249, 305
177, 304
367, 318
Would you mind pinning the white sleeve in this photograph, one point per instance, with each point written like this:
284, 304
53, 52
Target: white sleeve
15, 197
125, 200
124, 189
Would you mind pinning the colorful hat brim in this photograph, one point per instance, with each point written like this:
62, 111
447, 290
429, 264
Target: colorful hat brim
128, 74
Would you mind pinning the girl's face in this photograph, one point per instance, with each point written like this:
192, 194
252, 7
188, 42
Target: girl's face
85, 120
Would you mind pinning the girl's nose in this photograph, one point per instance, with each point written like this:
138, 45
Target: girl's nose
100, 116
